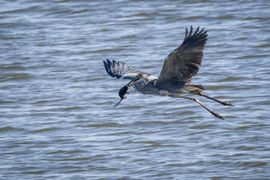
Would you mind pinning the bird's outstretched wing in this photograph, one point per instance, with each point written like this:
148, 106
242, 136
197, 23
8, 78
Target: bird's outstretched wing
183, 63
120, 70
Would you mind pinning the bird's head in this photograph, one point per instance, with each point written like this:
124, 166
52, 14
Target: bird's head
123, 92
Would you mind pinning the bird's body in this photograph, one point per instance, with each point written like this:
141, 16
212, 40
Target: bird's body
149, 86
175, 78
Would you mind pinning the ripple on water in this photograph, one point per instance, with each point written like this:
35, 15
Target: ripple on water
15, 77
5, 129
46, 130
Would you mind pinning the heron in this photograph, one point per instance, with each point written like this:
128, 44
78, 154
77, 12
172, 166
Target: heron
175, 77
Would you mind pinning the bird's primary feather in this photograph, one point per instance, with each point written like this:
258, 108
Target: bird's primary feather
183, 63
120, 70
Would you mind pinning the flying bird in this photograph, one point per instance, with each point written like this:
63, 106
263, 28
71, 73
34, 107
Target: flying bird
175, 77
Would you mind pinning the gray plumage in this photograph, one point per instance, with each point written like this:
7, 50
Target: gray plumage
175, 78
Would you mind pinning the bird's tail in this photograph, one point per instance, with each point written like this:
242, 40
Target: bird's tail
198, 86
194, 89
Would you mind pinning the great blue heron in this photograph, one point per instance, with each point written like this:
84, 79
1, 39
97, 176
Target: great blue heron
175, 78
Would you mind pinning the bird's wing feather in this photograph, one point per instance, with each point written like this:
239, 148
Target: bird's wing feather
183, 63
120, 70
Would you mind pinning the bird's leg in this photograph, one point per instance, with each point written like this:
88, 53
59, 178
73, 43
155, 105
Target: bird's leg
221, 102
124, 90
201, 104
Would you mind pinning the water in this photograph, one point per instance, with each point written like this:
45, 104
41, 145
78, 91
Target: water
56, 115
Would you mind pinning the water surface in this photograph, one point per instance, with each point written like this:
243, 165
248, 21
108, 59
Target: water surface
56, 115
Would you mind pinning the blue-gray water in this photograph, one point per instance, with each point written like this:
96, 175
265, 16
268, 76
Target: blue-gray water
56, 115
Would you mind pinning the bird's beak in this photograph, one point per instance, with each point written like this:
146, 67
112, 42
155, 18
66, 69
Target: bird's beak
118, 102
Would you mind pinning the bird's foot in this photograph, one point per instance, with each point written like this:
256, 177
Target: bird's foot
227, 103
217, 115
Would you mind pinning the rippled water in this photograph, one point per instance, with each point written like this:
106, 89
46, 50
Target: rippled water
56, 115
